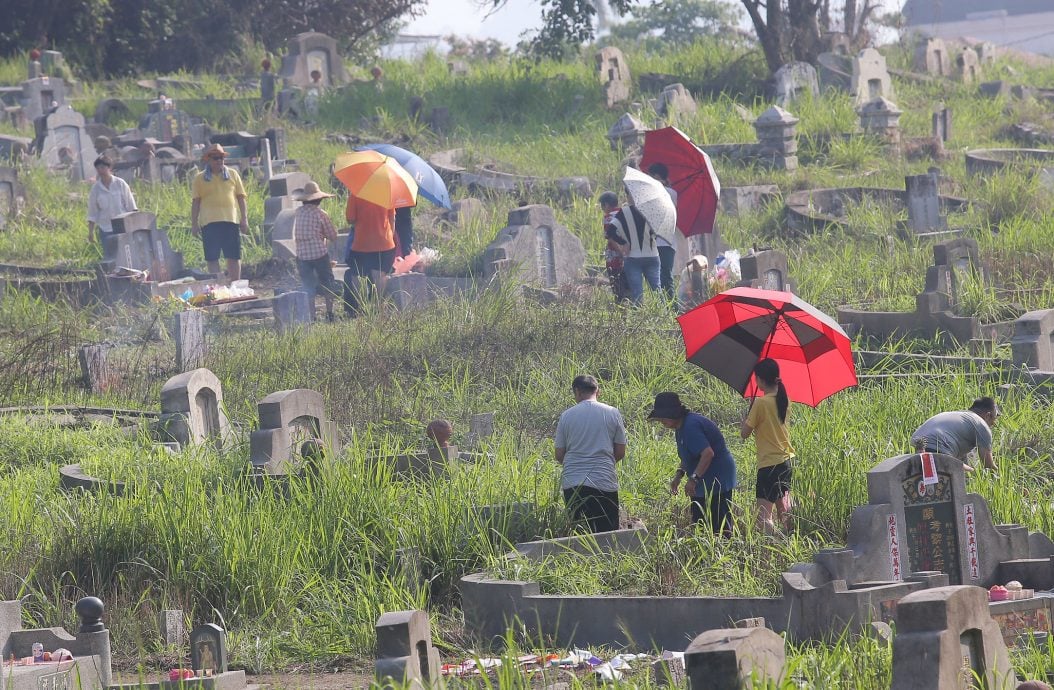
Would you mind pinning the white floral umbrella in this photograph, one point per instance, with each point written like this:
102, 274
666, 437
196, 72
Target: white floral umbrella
653, 202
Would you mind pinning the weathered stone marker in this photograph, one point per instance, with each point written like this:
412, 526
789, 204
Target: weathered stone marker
192, 409
172, 627
208, 649
288, 419
95, 368
189, 333
945, 639
1033, 341
924, 203
404, 649
734, 658
292, 309
535, 250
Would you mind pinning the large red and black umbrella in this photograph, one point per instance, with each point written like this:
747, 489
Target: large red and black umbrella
731, 332
691, 174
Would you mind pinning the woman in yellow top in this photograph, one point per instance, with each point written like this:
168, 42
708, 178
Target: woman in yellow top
767, 420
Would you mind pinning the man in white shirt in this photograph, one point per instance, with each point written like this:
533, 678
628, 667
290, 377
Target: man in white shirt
110, 196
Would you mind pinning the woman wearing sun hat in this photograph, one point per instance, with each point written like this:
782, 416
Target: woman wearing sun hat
312, 232
705, 459
218, 214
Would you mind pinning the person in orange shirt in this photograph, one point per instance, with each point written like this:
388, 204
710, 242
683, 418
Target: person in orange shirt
372, 248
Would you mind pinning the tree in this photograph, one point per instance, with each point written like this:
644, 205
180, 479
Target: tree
678, 22
569, 23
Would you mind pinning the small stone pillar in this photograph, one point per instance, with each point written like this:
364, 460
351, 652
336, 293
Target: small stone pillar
627, 132
734, 658
292, 309
90, 610
777, 132
172, 627
94, 367
924, 203
882, 118
190, 340
942, 124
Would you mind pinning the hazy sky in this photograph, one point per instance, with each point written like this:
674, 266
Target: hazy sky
466, 17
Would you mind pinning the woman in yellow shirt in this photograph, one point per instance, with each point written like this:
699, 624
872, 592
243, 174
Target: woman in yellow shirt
767, 420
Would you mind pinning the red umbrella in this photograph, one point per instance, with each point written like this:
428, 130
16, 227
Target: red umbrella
731, 332
691, 174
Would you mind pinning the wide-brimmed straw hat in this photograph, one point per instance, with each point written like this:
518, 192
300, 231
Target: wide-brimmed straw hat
667, 406
310, 192
211, 149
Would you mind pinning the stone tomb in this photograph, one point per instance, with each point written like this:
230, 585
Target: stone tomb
67, 145
208, 650
164, 123
793, 81
310, 51
946, 638
289, 419
534, 250
12, 195
767, 270
137, 243
90, 668
627, 132
924, 203
405, 654
733, 658
675, 100
613, 71
280, 189
953, 262
913, 535
192, 410
1033, 341
40, 94
931, 57
870, 78
967, 66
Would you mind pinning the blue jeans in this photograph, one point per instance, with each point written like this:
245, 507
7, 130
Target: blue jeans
637, 270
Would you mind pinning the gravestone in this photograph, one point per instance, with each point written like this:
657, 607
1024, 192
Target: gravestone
793, 81
192, 409
946, 638
931, 57
13, 149
627, 132
924, 203
172, 627
674, 101
405, 654
736, 201
208, 649
67, 145
767, 270
881, 117
164, 122
96, 372
777, 132
942, 124
12, 195
533, 249
1033, 342
312, 51
439, 120
968, 67
283, 244
613, 71
137, 243
870, 78
189, 334
457, 68
954, 262
464, 212
54, 64
986, 54
480, 427
292, 310
734, 659
289, 419
40, 95
280, 189
407, 290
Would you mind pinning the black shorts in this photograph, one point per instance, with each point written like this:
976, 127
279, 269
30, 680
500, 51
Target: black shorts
774, 482
597, 509
222, 237
315, 274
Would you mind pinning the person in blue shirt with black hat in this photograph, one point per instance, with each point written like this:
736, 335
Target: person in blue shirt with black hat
705, 460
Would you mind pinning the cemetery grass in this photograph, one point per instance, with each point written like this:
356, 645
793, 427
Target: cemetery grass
299, 581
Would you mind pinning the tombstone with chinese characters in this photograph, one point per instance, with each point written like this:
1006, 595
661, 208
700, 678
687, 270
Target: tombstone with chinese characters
164, 122
614, 75
870, 78
290, 421
12, 195
67, 146
309, 52
40, 95
534, 249
137, 243
767, 270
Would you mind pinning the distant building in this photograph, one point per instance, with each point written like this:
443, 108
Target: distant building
1026, 25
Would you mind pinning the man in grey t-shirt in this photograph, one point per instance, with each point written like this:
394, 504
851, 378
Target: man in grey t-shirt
957, 433
590, 439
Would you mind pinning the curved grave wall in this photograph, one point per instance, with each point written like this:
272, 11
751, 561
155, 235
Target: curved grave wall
986, 162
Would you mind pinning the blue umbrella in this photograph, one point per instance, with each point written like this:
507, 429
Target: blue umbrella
430, 184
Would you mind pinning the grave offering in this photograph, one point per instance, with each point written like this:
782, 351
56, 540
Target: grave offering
919, 530
288, 420
793, 81
870, 79
192, 410
67, 145
953, 262
12, 196
308, 52
533, 249
405, 654
614, 75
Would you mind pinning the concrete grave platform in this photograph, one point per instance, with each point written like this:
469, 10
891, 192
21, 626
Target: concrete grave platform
816, 209
986, 162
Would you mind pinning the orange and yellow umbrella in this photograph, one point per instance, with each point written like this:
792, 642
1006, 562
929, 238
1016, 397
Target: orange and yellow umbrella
376, 178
